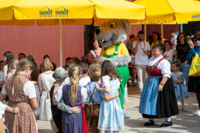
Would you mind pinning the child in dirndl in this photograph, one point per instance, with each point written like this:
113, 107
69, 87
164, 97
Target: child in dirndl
111, 115
180, 88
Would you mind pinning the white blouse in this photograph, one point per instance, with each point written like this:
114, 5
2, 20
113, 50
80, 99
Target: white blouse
29, 90
5, 70
164, 65
58, 95
84, 81
2, 109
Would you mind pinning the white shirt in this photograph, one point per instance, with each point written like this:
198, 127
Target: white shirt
174, 43
59, 93
2, 109
29, 90
164, 65
140, 57
169, 55
5, 70
84, 81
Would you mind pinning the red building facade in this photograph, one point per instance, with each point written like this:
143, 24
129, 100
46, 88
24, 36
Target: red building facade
41, 40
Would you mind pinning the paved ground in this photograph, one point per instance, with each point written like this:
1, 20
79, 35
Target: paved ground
183, 123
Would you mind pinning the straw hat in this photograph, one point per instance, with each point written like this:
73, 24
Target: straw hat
60, 74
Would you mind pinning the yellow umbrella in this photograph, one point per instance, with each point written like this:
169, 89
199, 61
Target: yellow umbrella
78, 12
6, 9
50, 12
169, 12
185, 11
117, 9
53, 9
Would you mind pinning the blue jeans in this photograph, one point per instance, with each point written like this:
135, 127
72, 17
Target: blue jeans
185, 68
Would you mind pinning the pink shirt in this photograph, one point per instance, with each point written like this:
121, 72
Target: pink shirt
95, 54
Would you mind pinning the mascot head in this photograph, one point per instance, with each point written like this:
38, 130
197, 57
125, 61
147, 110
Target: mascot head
112, 32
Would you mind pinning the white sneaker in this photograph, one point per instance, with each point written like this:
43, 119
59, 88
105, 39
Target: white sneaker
196, 113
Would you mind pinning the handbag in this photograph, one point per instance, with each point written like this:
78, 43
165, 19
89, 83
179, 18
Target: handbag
195, 66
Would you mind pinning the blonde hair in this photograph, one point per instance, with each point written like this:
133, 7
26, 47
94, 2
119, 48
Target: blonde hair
12, 65
46, 66
74, 74
23, 65
95, 71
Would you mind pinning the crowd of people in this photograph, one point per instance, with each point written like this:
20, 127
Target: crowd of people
83, 95
162, 70
79, 97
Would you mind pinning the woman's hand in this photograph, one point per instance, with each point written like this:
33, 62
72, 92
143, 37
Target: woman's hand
191, 44
76, 110
160, 88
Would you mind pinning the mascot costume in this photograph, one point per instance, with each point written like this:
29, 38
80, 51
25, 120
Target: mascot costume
113, 34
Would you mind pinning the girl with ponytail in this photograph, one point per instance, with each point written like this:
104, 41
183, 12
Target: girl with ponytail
72, 96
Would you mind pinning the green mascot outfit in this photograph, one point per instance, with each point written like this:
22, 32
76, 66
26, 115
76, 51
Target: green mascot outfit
122, 71
113, 34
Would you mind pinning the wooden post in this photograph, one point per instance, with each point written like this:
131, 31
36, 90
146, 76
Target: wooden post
61, 41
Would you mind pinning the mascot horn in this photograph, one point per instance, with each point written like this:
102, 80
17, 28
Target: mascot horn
113, 34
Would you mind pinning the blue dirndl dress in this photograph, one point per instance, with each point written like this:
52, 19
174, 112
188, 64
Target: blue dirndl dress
71, 123
181, 90
111, 115
155, 104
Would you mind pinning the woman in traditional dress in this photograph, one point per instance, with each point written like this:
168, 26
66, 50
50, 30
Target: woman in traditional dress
158, 99
21, 94
94, 53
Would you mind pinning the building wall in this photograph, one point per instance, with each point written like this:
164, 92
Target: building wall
134, 30
167, 29
40, 40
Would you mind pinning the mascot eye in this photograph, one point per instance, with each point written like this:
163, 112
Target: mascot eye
112, 25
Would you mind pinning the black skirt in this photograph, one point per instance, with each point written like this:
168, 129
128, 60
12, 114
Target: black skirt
166, 102
194, 84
